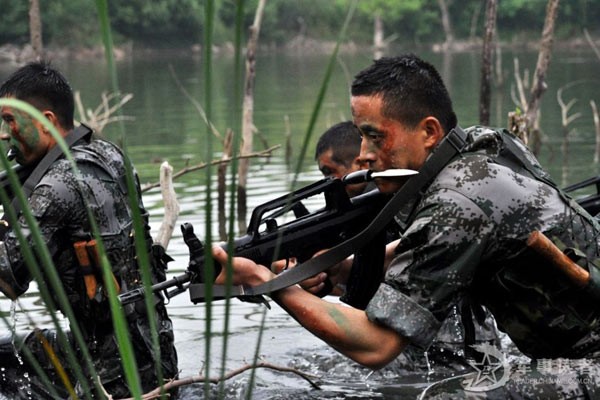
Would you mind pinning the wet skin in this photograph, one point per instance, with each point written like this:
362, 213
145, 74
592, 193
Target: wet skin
26, 135
387, 143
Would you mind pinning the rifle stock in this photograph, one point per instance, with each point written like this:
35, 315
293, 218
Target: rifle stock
268, 239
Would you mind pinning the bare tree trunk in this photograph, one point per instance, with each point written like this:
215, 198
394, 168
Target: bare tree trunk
378, 43
566, 120
247, 116
597, 126
499, 72
591, 43
35, 28
171, 205
474, 19
539, 77
446, 25
486, 63
221, 184
288, 140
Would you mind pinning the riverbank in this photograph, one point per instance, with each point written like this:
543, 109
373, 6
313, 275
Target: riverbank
19, 54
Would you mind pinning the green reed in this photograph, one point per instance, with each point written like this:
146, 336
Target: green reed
238, 98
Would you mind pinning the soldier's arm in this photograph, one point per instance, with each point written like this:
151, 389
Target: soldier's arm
346, 329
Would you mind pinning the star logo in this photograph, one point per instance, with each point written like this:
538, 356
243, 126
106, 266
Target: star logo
491, 372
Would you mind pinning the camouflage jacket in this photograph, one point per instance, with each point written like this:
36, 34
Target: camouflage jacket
466, 239
60, 204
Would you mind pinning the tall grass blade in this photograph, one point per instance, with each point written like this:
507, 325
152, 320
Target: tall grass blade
322, 91
209, 10
144, 263
238, 95
103, 16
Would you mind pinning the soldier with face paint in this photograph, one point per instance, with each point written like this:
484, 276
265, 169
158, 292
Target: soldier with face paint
338, 154
59, 201
465, 239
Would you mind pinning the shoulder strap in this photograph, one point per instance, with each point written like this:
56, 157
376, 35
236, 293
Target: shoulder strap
54, 154
512, 151
452, 145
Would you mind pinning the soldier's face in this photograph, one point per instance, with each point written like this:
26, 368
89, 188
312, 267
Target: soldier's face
329, 167
25, 135
387, 143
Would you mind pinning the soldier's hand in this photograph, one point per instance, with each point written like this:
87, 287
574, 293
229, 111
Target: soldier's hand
245, 271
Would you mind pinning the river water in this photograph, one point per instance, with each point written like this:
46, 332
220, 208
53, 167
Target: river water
165, 126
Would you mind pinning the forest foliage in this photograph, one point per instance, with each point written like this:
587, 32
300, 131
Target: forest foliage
179, 23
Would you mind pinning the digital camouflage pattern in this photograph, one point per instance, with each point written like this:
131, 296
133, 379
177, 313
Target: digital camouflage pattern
452, 344
466, 241
57, 203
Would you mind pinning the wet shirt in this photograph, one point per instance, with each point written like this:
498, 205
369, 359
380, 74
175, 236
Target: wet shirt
60, 204
466, 240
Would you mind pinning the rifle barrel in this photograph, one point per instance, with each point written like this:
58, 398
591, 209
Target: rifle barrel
178, 282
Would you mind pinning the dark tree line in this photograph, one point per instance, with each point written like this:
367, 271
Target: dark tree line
179, 23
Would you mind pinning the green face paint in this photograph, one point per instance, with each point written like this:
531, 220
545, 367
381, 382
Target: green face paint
25, 139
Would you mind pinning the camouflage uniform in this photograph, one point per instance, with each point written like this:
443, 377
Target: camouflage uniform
57, 203
461, 329
465, 240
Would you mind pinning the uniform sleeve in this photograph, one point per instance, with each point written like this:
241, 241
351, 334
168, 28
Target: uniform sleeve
52, 205
435, 264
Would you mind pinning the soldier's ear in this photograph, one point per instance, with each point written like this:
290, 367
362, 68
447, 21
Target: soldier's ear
434, 131
50, 116
54, 121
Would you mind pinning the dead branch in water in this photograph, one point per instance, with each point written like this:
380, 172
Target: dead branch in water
103, 114
158, 392
165, 232
183, 171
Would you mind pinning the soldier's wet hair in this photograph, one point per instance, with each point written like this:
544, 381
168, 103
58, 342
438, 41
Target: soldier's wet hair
412, 89
43, 87
344, 141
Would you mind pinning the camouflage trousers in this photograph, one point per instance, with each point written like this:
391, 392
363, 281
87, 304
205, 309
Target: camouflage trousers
32, 372
543, 379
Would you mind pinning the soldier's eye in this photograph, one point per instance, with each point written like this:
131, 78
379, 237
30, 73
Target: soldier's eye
374, 136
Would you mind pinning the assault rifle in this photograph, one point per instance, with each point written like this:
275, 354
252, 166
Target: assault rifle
268, 240
591, 202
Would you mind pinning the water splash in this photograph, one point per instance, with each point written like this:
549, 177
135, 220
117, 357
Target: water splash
428, 363
13, 329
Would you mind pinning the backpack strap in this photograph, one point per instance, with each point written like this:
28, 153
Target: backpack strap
42, 167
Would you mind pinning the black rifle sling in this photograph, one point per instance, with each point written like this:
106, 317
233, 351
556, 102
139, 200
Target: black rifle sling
450, 147
54, 154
